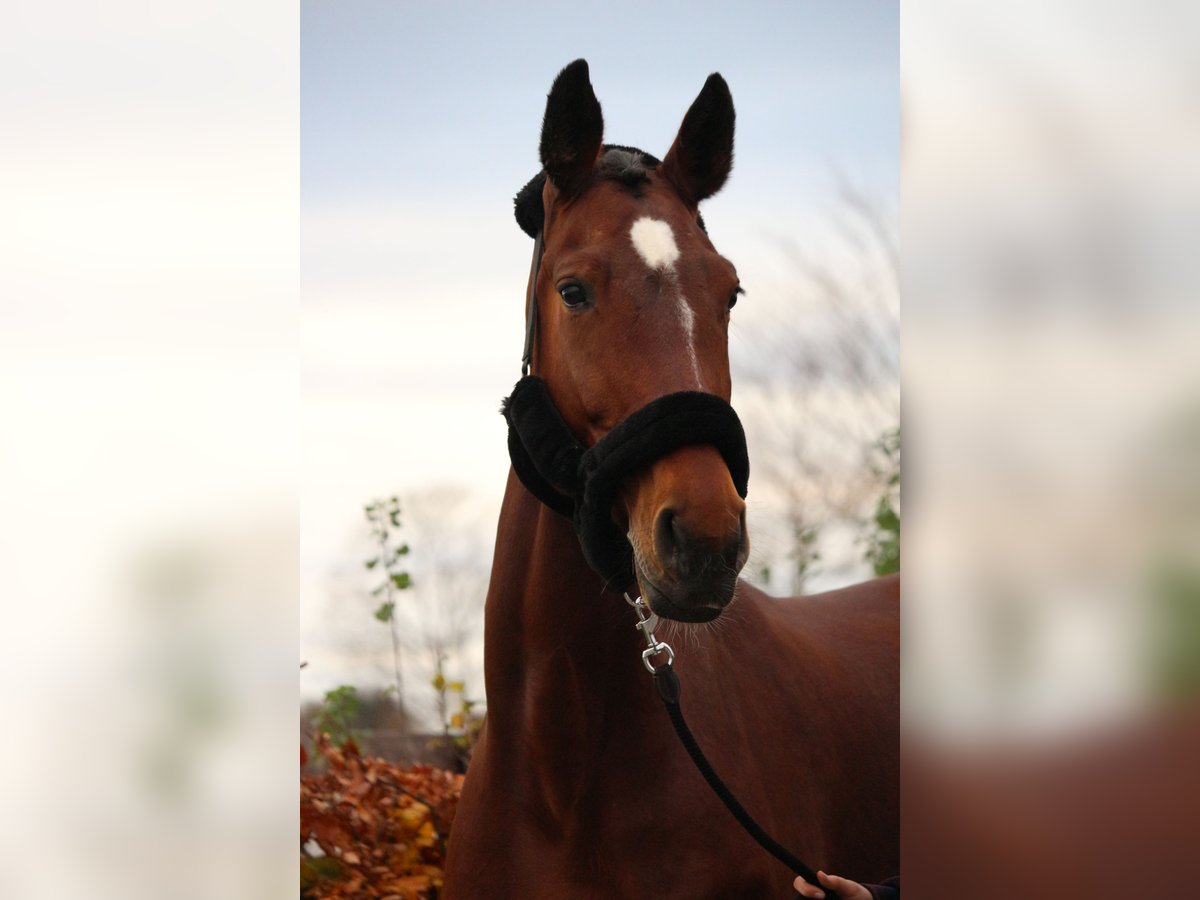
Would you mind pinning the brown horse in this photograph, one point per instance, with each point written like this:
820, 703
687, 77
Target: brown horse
578, 786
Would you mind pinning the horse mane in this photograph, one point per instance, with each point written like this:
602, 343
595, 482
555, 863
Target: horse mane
627, 166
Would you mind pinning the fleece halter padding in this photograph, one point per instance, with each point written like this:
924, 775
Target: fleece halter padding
583, 483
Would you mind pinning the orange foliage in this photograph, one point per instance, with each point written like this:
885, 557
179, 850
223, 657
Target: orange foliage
373, 824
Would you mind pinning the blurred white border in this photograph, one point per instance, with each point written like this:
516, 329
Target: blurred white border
149, 177
1050, 365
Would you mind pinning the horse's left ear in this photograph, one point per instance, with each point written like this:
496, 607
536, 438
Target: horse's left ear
572, 129
700, 159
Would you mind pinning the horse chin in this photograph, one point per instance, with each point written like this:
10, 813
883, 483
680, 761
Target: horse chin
685, 606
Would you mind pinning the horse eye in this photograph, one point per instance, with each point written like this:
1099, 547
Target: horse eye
733, 297
573, 295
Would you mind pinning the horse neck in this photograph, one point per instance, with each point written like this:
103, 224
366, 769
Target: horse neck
561, 653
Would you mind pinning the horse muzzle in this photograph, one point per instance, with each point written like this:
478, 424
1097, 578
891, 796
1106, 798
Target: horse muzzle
687, 525
688, 603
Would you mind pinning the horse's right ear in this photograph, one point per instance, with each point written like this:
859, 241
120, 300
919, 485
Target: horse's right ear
572, 129
700, 159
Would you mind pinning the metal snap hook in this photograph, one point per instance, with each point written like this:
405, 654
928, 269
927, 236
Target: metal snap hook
646, 622
650, 652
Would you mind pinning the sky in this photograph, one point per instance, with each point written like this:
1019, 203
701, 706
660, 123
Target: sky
419, 122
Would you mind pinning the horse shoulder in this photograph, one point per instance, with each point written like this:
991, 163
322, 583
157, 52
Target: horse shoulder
860, 617
844, 674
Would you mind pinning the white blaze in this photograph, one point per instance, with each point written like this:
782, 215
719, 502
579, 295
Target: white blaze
655, 244
689, 329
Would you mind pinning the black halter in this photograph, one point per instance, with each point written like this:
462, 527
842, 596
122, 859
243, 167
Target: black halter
582, 483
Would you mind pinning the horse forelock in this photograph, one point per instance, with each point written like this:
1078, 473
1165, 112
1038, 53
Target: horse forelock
628, 166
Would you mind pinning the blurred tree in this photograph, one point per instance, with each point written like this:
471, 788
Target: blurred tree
461, 723
1175, 630
818, 372
883, 531
336, 716
384, 516
452, 566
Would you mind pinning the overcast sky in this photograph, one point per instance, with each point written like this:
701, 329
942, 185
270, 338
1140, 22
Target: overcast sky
419, 124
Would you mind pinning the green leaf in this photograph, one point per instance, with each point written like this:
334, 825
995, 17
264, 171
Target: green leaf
372, 563
384, 613
438, 682
314, 871
401, 580
402, 550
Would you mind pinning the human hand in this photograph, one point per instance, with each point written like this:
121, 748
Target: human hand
842, 888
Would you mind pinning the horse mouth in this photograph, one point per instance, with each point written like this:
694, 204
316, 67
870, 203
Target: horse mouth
685, 605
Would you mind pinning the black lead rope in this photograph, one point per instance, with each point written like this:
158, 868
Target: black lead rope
667, 683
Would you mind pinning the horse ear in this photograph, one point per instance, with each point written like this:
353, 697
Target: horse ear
571, 129
700, 159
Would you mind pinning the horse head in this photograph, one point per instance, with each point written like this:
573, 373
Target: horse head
633, 304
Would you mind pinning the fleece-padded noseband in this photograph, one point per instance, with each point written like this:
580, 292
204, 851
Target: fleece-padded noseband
582, 483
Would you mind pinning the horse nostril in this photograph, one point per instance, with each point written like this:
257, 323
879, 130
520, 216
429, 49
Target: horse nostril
685, 555
667, 535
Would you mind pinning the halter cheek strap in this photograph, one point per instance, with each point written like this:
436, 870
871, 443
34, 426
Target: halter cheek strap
531, 305
582, 484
